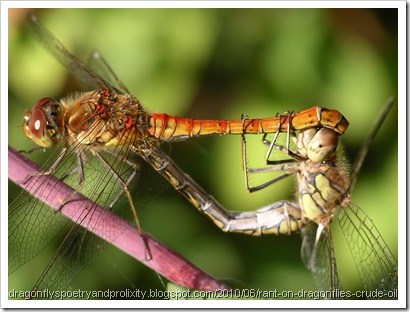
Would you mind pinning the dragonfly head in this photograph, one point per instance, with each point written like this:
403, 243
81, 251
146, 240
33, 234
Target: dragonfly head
317, 145
43, 124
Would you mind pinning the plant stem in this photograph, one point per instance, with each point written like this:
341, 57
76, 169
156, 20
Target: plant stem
160, 258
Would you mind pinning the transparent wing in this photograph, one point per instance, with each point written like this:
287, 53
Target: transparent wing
374, 261
319, 258
99, 65
78, 249
33, 225
73, 64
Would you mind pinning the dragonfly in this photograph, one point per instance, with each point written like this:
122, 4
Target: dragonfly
111, 125
324, 184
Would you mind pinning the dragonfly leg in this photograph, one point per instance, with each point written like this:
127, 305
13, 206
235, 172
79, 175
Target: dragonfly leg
290, 134
270, 169
259, 187
124, 186
122, 190
133, 164
289, 166
79, 169
52, 168
284, 149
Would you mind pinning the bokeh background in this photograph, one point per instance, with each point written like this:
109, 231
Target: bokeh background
218, 64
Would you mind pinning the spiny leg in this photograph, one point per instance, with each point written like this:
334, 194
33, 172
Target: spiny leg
79, 169
133, 164
290, 134
288, 165
123, 186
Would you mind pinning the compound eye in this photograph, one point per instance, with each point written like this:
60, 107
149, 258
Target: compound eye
303, 140
41, 102
37, 124
322, 145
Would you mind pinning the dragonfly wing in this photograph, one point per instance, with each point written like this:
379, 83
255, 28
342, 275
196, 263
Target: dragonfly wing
374, 261
32, 224
32, 227
318, 257
308, 234
81, 72
69, 260
99, 65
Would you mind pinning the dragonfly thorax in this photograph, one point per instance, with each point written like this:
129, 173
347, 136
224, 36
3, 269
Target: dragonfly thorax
322, 178
101, 118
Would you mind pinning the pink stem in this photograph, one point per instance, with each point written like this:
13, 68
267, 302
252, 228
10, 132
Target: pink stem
102, 223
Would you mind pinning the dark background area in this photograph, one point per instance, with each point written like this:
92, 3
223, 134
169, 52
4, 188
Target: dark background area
218, 64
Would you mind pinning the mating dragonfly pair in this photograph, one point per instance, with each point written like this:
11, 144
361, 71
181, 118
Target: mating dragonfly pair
112, 125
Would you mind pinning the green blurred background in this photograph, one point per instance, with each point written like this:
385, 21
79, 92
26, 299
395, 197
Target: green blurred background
218, 64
